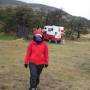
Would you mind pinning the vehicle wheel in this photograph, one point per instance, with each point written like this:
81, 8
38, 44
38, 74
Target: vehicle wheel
58, 41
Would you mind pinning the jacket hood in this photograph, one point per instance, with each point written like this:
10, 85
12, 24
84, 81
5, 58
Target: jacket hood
38, 32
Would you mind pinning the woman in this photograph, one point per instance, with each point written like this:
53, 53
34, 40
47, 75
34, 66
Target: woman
37, 58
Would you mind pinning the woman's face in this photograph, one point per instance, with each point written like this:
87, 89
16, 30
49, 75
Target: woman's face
38, 38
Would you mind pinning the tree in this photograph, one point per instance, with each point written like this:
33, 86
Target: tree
75, 27
80, 26
55, 17
23, 20
7, 17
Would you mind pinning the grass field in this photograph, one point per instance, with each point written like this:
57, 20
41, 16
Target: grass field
7, 37
69, 66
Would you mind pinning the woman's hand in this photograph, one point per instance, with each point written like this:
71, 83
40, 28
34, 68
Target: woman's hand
25, 65
46, 65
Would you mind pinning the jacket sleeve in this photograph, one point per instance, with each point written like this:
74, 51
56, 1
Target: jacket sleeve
46, 54
28, 54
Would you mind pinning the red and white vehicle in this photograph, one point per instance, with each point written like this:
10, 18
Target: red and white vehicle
53, 33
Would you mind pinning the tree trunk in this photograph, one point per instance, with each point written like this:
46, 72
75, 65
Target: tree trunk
78, 36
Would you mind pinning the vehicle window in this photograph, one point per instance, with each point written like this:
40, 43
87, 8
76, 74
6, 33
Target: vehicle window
50, 29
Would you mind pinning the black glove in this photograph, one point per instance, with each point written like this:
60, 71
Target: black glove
25, 65
46, 65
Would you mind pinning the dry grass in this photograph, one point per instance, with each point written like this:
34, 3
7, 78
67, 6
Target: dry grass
69, 66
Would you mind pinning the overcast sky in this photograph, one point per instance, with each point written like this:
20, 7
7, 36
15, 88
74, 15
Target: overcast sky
74, 7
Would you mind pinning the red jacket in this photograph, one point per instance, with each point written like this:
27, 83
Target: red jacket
37, 53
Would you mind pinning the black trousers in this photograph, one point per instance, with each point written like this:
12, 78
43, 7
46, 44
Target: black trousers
35, 71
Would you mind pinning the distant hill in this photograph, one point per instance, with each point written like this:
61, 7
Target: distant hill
34, 6
11, 2
39, 7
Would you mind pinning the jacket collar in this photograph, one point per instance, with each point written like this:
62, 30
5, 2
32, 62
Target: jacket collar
36, 43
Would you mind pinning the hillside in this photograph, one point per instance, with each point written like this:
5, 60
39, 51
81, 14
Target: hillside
34, 6
66, 16
11, 2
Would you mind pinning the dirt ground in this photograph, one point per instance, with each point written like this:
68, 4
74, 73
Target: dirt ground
69, 66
